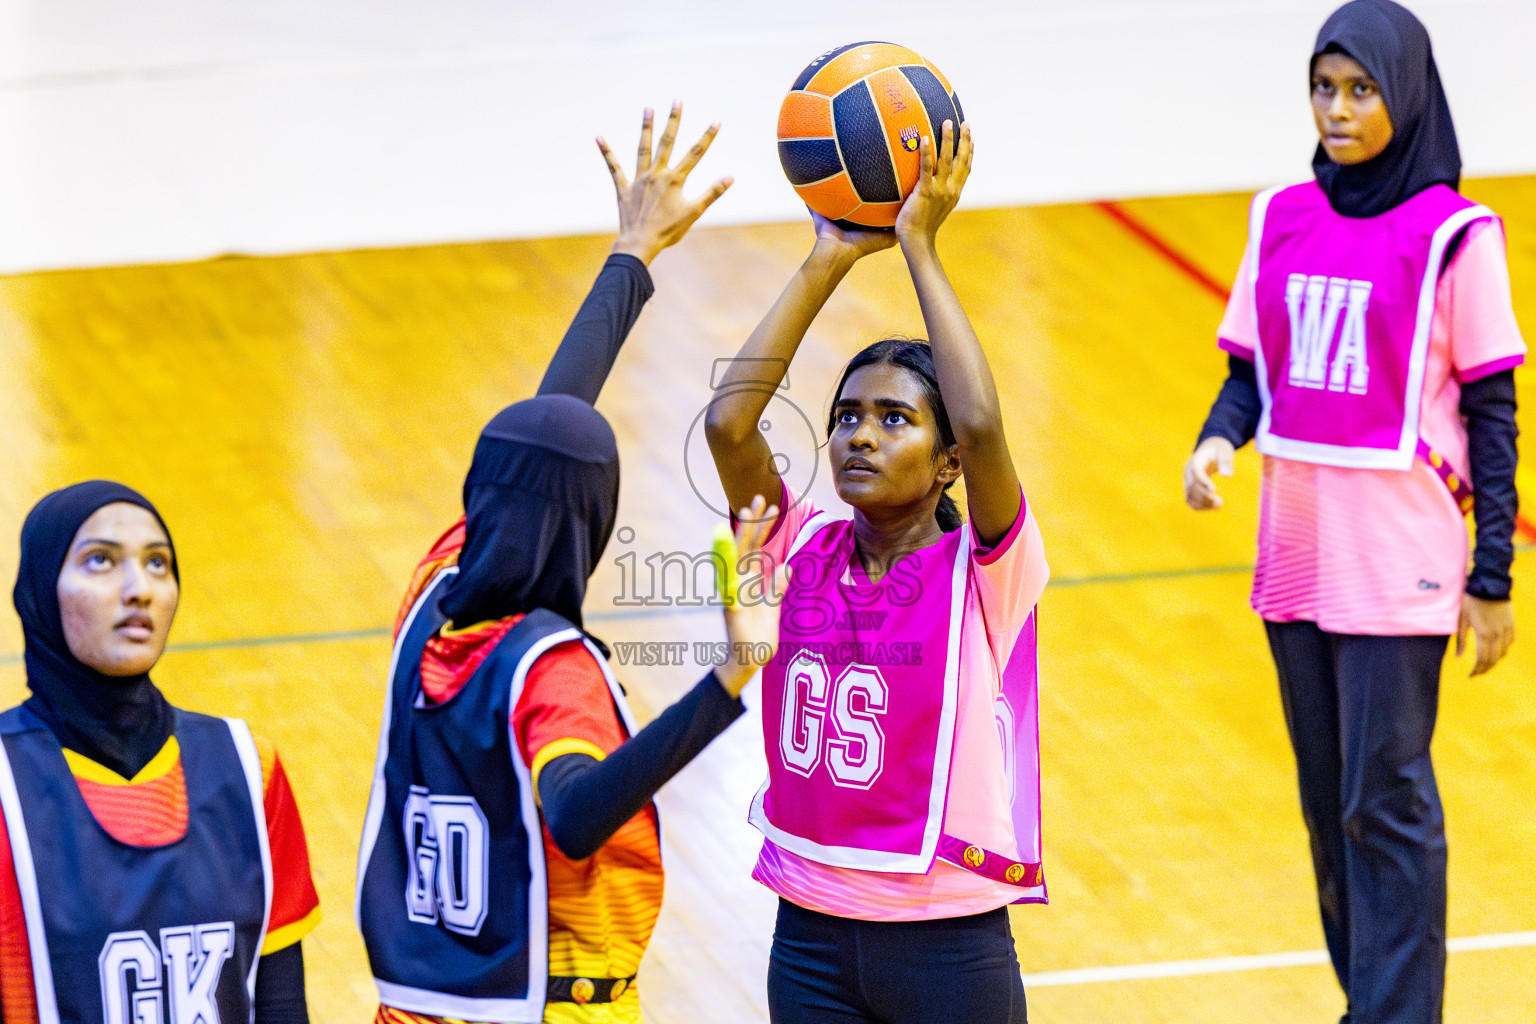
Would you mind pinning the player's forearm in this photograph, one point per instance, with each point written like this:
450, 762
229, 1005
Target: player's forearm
965, 378
1489, 406
759, 367
970, 396
1235, 413
585, 801
280, 987
581, 364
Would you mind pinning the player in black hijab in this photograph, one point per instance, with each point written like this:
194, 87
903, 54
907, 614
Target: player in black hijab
117, 721
89, 651
1361, 704
540, 501
1391, 44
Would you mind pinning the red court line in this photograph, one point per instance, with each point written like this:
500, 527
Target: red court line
1523, 526
1163, 249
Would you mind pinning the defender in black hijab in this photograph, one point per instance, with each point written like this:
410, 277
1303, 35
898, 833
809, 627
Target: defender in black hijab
539, 504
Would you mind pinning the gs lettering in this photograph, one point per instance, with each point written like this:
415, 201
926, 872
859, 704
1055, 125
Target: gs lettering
852, 743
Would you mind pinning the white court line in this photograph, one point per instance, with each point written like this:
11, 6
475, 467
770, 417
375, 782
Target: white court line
1221, 964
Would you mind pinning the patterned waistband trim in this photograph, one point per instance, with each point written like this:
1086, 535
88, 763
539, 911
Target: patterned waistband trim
1461, 490
992, 865
586, 990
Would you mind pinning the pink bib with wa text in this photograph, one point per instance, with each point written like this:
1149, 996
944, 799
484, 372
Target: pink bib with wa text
1344, 307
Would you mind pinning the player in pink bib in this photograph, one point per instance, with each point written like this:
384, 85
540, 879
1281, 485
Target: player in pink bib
1372, 348
901, 813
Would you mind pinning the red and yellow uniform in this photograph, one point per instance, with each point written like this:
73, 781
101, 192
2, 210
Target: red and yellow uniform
150, 810
602, 909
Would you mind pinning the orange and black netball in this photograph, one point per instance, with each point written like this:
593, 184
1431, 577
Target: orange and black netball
850, 127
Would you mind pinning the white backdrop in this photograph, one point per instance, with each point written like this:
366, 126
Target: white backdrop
137, 131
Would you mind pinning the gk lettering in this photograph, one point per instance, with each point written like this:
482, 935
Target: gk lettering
1316, 304
853, 746
181, 975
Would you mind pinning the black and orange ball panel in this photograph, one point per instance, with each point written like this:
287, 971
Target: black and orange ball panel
849, 130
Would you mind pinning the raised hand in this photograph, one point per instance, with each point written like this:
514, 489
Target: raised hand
848, 244
939, 181
653, 213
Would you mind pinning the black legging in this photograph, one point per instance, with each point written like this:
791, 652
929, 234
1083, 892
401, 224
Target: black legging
1361, 711
952, 970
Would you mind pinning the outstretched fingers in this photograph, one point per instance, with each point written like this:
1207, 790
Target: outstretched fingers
669, 134
620, 180
643, 158
653, 212
696, 153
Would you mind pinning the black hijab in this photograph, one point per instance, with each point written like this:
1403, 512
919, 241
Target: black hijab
117, 721
1390, 43
539, 505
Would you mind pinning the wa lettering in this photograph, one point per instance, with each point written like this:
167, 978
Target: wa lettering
176, 982
448, 841
1317, 305
836, 724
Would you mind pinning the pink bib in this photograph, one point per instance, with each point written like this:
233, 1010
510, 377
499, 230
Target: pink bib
859, 711
1018, 725
859, 704
1343, 308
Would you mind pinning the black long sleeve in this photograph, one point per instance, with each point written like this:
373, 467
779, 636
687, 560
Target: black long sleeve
1235, 414
581, 364
1489, 407
586, 800
280, 987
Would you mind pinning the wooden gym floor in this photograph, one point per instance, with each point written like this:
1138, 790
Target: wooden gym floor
304, 424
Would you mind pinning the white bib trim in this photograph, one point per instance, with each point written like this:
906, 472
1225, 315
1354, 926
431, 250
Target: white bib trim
1356, 457
872, 860
529, 1010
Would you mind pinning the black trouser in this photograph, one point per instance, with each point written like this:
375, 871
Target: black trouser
951, 970
1361, 711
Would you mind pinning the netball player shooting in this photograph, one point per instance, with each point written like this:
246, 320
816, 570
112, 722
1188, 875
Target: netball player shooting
899, 819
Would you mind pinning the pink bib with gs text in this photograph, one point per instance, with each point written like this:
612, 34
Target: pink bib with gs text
859, 704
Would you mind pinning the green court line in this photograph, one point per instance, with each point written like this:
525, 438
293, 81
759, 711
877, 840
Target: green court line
1149, 575
294, 638
626, 614
258, 641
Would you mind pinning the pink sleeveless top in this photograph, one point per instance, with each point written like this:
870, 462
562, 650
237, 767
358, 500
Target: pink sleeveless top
1360, 345
899, 719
